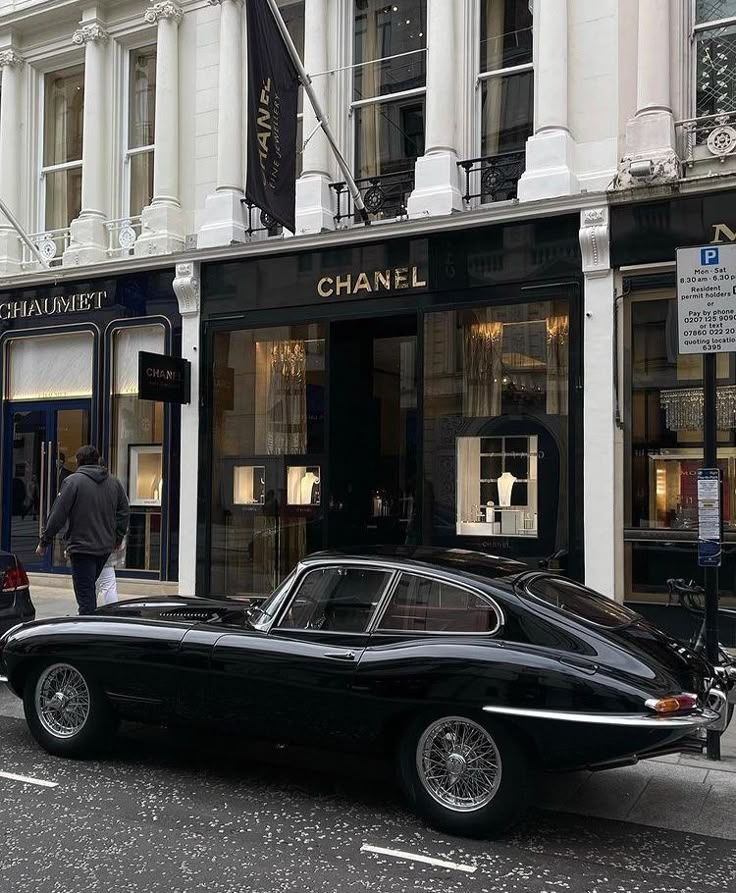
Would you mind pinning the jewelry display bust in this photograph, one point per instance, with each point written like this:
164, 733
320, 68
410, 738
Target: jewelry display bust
505, 486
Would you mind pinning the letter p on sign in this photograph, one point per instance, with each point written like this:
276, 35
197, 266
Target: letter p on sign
708, 256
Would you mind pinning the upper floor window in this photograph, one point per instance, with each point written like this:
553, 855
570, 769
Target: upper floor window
61, 170
506, 75
389, 83
141, 128
715, 57
292, 12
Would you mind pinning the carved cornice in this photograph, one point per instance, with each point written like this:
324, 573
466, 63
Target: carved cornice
166, 10
666, 168
10, 59
187, 289
90, 34
595, 241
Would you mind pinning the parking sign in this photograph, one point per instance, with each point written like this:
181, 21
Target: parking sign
706, 299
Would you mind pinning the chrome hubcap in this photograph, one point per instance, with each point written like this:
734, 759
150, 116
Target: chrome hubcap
62, 700
459, 764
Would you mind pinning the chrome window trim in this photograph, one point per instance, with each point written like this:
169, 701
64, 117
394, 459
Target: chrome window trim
450, 581
303, 569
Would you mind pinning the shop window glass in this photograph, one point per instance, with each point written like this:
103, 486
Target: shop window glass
664, 450
137, 445
141, 127
50, 367
62, 146
389, 43
507, 93
268, 443
496, 395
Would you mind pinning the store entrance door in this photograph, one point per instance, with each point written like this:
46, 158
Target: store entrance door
373, 431
41, 442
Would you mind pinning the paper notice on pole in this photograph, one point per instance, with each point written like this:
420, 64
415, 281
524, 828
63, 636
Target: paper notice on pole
706, 299
709, 517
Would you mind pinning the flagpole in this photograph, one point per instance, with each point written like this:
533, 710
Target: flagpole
23, 235
322, 120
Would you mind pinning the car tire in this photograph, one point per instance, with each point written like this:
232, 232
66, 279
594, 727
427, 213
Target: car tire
467, 800
66, 711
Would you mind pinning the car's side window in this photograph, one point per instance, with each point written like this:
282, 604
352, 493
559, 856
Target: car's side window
336, 599
424, 605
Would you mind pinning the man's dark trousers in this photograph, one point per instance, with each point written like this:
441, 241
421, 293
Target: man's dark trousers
85, 571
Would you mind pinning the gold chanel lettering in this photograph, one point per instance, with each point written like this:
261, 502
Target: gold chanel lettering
375, 281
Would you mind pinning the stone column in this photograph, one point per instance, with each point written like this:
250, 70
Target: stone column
437, 177
10, 154
187, 290
224, 218
163, 221
314, 198
550, 153
602, 439
650, 134
88, 237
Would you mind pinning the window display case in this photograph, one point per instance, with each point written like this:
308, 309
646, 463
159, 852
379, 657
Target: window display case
145, 474
673, 487
249, 485
497, 486
303, 484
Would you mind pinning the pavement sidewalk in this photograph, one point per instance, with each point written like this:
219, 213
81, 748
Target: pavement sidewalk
677, 792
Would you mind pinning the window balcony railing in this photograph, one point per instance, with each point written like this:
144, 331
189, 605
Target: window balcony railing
492, 178
385, 196
51, 244
706, 139
122, 235
260, 225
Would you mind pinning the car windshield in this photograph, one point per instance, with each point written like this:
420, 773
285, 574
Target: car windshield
262, 614
582, 603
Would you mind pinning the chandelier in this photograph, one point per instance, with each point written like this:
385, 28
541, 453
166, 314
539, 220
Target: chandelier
684, 408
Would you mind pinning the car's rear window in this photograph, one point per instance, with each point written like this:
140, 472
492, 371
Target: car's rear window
574, 599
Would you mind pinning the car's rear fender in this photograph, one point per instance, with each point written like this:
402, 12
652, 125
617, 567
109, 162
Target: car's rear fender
133, 660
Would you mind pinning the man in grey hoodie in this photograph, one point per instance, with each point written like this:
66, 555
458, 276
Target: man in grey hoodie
94, 505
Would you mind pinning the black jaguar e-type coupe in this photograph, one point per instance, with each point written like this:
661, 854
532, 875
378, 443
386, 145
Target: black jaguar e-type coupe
469, 671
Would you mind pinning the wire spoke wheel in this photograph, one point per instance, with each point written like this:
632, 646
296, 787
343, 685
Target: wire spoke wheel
62, 700
458, 764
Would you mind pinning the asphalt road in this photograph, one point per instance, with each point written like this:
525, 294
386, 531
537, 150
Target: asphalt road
165, 811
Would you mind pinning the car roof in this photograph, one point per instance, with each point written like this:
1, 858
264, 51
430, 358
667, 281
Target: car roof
478, 564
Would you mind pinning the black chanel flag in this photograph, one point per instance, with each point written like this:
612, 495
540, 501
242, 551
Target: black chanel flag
273, 88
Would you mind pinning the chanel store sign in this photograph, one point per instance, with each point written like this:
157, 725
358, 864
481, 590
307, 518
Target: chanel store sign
82, 302
360, 283
163, 378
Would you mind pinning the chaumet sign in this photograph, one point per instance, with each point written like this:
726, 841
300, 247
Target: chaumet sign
78, 303
367, 283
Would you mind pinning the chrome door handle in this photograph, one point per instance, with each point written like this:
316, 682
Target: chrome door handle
340, 655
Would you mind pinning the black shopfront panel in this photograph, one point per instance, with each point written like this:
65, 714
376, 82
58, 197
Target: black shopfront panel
412, 391
70, 377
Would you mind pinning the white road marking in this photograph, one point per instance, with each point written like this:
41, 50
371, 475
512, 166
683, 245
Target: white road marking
26, 779
415, 857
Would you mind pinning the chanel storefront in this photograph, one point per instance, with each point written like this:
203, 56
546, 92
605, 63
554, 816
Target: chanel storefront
406, 391
70, 377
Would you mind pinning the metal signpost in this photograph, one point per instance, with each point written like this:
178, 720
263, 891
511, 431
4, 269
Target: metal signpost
706, 315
